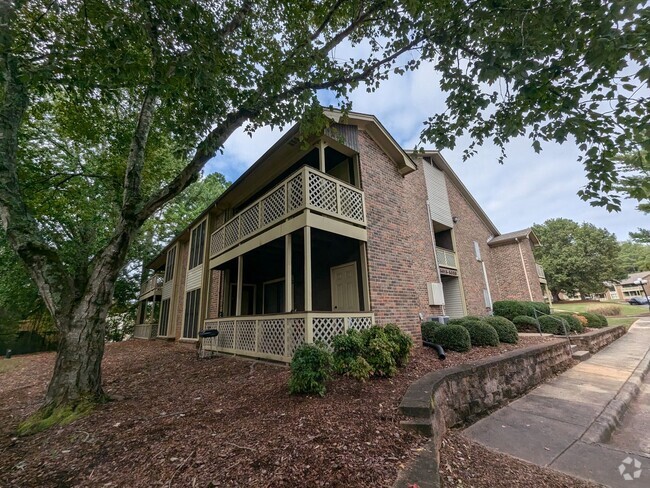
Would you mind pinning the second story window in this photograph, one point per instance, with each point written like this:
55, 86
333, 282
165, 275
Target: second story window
169, 266
197, 245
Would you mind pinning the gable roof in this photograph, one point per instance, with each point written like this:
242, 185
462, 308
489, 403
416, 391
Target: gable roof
632, 277
515, 236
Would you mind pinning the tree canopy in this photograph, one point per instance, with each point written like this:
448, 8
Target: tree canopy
110, 109
577, 257
635, 257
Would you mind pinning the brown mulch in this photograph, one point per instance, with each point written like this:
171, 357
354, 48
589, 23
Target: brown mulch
180, 421
464, 462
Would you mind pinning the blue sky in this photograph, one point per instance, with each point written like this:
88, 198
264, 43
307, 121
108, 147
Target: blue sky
528, 188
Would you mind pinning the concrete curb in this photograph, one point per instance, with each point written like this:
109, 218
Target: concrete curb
610, 418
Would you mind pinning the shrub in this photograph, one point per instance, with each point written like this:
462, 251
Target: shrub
606, 310
310, 369
427, 329
359, 369
524, 323
402, 341
573, 322
453, 337
594, 320
481, 333
550, 325
506, 330
347, 348
379, 351
513, 308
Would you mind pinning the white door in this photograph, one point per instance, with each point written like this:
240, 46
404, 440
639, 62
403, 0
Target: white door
345, 288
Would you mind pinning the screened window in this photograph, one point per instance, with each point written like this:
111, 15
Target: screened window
191, 324
198, 245
164, 318
169, 267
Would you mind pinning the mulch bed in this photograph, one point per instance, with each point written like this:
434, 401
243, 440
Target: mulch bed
180, 421
464, 462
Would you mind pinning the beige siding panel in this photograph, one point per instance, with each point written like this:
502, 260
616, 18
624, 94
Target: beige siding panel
167, 289
453, 297
437, 193
194, 277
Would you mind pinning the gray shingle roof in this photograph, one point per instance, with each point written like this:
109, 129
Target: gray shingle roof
526, 233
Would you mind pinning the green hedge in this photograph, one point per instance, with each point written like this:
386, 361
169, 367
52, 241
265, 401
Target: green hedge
481, 333
310, 369
427, 329
524, 323
513, 308
453, 337
550, 325
506, 330
595, 320
574, 323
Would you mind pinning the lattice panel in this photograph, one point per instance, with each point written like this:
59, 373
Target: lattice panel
351, 203
245, 339
216, 242
249, 221
226, 337
296, 335
273, 206
295, 193
231, 233
359, 323
272, 337
326, 328
322, 193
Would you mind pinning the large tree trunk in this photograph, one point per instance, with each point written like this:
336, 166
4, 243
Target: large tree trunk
78, 369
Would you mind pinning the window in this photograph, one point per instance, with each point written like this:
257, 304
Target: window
198, 245
169, 266
192, 304
164, 318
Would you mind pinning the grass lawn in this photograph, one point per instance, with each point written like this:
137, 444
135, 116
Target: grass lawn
626, 321
577, 307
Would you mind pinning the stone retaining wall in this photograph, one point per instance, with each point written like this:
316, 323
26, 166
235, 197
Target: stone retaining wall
461, 395
595, 340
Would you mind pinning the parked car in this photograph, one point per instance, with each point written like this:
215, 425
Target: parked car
638, 301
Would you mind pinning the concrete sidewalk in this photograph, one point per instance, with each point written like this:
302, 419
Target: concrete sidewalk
563, 422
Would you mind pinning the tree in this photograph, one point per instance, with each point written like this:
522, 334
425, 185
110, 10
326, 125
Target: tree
577, 257
634, 184
635, 257
147, 92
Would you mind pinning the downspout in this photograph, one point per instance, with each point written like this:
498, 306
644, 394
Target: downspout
433, 243
523, 264
487, 283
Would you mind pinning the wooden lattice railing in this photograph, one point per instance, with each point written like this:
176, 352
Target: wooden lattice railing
307, 188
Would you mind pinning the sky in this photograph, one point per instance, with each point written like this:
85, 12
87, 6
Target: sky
527, 189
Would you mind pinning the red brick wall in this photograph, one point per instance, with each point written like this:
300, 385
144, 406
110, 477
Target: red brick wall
179, 285
215, 293
400, 253
469, 228
510, 272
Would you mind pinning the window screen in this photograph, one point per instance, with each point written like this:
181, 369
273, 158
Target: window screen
164, 318
191, 323
198, 245
169, 266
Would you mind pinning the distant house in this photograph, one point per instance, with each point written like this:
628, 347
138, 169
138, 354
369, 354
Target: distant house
346, 231
626, 288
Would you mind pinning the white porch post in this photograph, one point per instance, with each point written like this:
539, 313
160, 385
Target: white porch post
240, 284
321, 156
307, 269
288, 296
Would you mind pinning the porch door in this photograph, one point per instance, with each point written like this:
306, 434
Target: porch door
345, 288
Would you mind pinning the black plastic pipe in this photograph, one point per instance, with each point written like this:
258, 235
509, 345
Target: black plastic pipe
438, 348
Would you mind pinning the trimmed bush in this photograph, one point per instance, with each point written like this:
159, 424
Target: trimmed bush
359, 369
379, 351
402, 341
595, 320
524, 323
310, 369
513, 308
481, 333
606, 310
427, 329
506, 330
573, 322
347, 348
453, 337
550, 325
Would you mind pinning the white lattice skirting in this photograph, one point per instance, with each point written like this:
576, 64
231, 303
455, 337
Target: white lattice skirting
276, 337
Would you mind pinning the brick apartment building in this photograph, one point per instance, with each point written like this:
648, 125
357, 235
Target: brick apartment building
627, 288
349, 231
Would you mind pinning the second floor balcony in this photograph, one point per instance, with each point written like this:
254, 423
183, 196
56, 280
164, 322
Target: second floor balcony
306, 189
446, 258
153, 286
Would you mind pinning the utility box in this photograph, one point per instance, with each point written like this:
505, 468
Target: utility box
443, 319
436, 295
